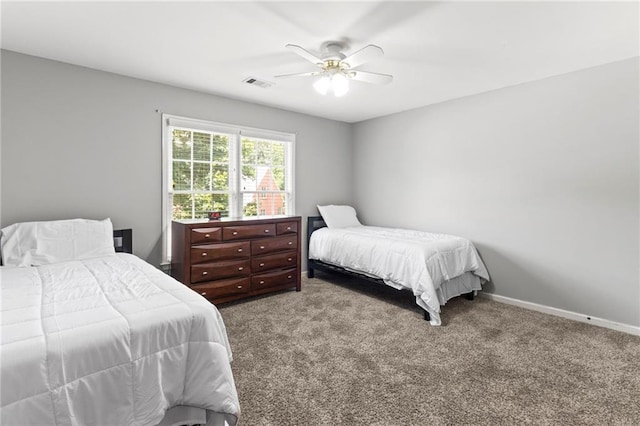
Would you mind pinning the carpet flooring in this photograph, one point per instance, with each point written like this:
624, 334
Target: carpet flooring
347, 352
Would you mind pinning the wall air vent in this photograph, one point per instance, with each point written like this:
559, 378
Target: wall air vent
255, 82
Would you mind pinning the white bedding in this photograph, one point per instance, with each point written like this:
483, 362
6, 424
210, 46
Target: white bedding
416, 260
109, 341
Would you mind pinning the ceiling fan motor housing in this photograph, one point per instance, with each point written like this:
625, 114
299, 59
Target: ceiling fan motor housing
333, 51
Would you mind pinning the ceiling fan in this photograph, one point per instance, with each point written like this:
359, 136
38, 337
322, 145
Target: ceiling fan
336, 69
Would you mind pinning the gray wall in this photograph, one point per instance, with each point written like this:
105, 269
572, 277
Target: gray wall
83, 143
542, 176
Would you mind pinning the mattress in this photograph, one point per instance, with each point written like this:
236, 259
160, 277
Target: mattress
435, 267
109, 340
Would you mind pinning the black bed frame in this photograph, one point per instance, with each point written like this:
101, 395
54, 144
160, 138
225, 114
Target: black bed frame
316, 222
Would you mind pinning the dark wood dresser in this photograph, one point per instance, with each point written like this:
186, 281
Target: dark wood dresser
230, 259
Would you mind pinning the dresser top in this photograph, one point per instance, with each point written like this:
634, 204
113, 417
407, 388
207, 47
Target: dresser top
247, 219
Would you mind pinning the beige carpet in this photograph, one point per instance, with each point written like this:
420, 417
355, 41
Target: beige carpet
347, 352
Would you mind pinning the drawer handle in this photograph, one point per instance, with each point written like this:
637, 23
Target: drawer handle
207, 235
261, 247
290, 259
204, 254
240, 268
204, 293
239, 286
261, 265
288, 276
239, 250
235, 233
288, 228
290, 242
266, 231
261, 282
205, 273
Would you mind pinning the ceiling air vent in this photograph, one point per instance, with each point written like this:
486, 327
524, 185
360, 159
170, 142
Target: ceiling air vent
255, 82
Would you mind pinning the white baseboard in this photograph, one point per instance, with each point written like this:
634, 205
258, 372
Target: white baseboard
626, 328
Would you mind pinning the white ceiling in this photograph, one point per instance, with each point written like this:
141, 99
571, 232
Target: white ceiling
436, 51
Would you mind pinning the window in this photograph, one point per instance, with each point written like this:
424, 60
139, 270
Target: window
236, 171
200, 177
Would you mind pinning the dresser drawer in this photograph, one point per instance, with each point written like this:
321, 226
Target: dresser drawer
271, 245
219, 270
274, 279
223, 288
287, 228
248, 231
274, 261
203, 235
208, 252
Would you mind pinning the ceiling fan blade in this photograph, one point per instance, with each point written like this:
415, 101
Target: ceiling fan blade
363, 55
305, 54
302, 74
370, 77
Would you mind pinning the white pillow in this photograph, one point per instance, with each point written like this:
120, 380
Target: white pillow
339, 216
43, 243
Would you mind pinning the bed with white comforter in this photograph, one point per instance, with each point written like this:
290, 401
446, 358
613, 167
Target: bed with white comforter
435, 267
108, 340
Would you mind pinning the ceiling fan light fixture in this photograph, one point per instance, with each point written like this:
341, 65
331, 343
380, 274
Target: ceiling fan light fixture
322, 85
335, 82
339, 84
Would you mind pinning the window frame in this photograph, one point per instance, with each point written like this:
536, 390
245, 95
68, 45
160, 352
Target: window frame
236, 133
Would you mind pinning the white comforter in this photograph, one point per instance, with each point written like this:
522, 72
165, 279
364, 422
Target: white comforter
108, 341
416, 260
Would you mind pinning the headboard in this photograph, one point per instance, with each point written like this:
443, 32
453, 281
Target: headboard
313, 223
123, 240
